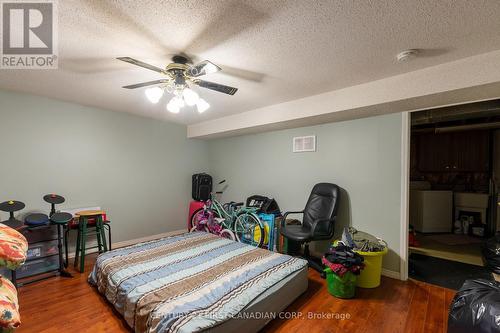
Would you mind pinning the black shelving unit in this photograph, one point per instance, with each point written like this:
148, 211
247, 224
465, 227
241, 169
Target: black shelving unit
27, 279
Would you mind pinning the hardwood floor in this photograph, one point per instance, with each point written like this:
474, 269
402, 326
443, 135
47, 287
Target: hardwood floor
72, 305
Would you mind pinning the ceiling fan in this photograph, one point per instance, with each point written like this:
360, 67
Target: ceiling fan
179, 75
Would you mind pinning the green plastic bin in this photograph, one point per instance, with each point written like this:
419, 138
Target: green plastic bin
341, 287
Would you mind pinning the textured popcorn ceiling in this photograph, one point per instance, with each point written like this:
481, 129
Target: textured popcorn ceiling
273, 51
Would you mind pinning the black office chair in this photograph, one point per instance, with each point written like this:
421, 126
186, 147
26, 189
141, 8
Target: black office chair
318, 220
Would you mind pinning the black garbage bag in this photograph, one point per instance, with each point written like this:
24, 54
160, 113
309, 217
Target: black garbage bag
491, 254
475, 308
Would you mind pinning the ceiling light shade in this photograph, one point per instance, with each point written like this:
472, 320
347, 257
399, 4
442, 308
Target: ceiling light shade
178, 101
202, 105
190, 97
154, 94
173, 107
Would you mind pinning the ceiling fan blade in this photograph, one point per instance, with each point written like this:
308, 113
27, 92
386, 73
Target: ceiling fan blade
141, 64
90, 65
243, 73
217, 87
234, 18
119, 17
203, 68
144, 84
228, 70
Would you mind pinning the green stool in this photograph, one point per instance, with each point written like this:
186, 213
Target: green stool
85, 230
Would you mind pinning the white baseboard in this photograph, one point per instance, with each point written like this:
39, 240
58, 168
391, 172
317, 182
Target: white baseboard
391, 274
133, 241
147, 238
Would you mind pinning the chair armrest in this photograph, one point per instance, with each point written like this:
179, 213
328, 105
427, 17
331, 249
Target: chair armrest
315, 224
286, 214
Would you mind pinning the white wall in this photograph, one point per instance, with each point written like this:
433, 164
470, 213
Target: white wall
361, 156
137, 169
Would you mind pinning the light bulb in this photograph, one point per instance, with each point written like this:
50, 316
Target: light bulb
175, 104
178, 101
202, 105
190, 97
173, 107
154, 94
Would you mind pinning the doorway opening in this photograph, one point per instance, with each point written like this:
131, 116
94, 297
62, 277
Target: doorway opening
453, 191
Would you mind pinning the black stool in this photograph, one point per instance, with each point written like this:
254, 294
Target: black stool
61, 220
55, 199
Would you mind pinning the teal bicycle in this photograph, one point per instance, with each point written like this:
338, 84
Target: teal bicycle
243, 222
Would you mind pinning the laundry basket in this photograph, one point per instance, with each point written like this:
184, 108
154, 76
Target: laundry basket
341, 287
370, 275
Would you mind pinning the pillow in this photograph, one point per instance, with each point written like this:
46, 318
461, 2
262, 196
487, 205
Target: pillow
13, 247
9, 306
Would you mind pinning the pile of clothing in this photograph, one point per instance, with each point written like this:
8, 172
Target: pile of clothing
341, 259
362, 241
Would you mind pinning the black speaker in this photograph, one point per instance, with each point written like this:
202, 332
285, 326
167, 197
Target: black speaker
202, 186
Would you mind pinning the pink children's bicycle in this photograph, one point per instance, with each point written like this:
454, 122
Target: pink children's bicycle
208, 222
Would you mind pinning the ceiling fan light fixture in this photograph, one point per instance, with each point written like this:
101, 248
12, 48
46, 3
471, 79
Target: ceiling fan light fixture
202, 105
154, 94
177, 100
178, 76
173, 107
190, 97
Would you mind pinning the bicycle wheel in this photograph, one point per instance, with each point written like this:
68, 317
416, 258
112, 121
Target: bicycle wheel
195, 218
200, 216
196, 228
249, 229
226, 233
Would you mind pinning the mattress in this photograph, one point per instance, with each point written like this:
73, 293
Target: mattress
197, 282
268, 306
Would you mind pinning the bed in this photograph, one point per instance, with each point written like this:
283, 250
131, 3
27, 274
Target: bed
198, 282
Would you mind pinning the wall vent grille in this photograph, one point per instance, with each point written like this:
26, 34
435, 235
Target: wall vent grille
304, 143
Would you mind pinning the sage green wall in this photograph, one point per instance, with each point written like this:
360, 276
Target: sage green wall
137, 169
362, 156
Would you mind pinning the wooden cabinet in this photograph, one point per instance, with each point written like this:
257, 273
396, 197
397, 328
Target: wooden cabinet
453, 152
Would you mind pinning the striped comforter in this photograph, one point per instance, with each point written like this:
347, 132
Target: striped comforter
188, 282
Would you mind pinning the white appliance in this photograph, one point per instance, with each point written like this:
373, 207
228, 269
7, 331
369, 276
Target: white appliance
431, 211
471, 202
